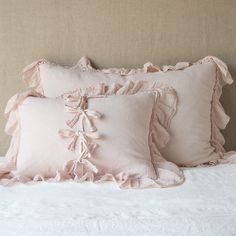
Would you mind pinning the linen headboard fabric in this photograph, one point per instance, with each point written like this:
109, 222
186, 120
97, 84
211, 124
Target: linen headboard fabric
124, 33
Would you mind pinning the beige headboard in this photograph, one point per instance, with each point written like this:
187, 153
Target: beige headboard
125, 33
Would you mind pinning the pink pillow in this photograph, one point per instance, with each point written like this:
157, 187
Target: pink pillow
195, 130
82, 137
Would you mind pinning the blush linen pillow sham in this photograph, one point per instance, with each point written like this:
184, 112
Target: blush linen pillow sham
195, 130
81, 136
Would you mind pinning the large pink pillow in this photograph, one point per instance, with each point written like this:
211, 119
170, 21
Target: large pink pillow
195, 129
98, 133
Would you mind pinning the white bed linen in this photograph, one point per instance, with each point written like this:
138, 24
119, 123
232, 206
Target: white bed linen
205, 205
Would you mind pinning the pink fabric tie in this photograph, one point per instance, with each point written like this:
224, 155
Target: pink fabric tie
78, 106
79, 138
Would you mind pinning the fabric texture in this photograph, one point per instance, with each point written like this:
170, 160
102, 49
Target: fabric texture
195, 130
204, 205
82, 137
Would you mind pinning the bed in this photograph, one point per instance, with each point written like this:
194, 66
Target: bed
204, 205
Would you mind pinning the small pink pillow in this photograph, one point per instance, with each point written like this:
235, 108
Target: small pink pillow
98, 133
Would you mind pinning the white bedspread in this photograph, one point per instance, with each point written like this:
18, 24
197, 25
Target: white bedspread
205, 205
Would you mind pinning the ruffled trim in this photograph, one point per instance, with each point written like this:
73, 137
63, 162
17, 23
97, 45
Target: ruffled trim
86, 65
219, 119
31, 75
83, 143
